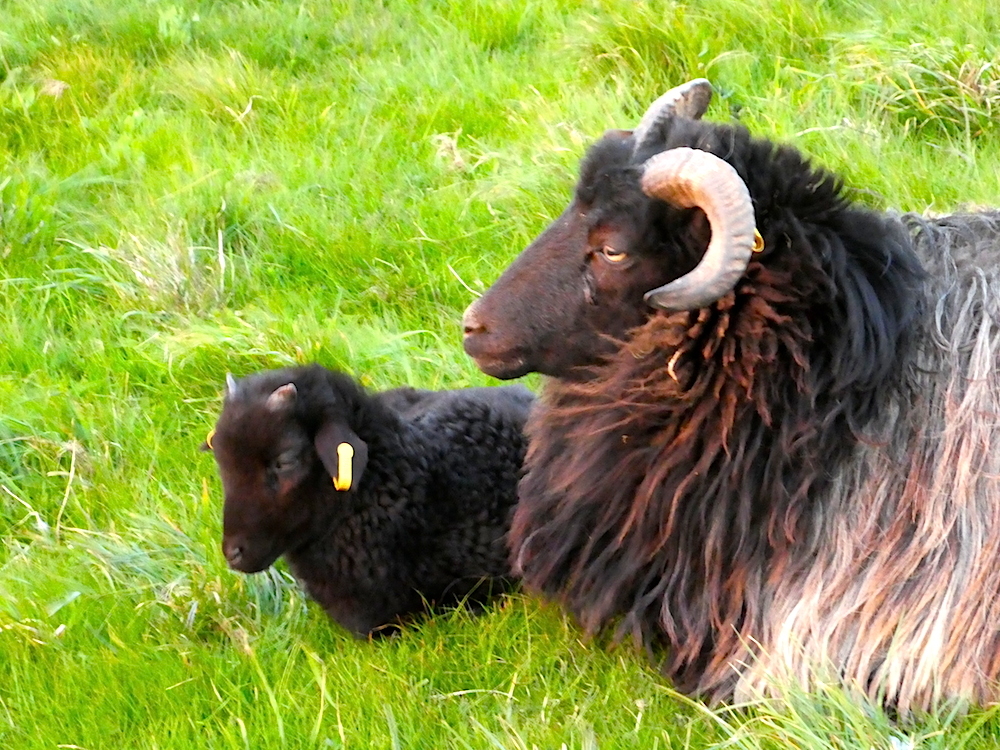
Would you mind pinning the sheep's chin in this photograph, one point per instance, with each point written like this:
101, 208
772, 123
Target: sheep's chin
503, 369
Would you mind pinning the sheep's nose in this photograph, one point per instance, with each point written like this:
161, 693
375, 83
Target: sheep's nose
470, 322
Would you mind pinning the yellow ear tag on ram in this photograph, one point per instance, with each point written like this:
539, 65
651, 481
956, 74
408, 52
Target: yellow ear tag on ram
345, 452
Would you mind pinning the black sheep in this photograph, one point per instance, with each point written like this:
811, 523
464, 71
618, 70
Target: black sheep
422, 491
770, 440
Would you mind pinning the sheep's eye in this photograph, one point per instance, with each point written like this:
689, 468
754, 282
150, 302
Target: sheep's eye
615, 256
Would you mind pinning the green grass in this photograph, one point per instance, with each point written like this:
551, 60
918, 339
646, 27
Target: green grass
189, 188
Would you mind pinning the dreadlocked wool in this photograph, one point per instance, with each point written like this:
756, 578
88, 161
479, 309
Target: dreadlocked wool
773, 506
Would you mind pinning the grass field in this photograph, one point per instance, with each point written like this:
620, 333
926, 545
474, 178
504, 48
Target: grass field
189, 188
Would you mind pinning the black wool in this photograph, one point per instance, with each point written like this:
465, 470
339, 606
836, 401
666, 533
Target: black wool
427, 489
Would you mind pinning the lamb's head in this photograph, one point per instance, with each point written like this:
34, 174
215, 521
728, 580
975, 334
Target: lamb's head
647, 228
281, 439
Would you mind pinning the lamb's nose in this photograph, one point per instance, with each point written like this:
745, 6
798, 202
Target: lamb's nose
471, 323
233, 552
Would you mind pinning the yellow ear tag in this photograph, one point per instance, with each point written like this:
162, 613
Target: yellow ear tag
208, 439
345, 452
758, 241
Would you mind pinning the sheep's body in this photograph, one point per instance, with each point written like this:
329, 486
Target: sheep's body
424, 524
881, 574
797, 482
895, 587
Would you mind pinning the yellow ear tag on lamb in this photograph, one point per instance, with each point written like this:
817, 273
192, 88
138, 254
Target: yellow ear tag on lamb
758, 241
345, 452
208, 438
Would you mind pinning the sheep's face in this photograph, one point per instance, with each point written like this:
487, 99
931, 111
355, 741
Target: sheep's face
265, 460
570, 297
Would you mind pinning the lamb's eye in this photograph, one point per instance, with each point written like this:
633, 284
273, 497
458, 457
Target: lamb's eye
615, 256
284, 462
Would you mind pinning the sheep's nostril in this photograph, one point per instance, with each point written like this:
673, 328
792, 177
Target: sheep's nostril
471, 323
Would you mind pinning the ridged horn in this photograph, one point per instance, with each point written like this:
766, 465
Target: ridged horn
690, 178
688, 100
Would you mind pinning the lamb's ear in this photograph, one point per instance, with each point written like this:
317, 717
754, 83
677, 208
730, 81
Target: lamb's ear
282, 398
343, 453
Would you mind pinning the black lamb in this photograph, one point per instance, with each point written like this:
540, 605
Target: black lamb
381, 503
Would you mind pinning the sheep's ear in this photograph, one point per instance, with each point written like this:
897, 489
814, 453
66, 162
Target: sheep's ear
343, 453
231, 388
282, 398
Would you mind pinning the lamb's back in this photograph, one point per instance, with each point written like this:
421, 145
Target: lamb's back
477, 447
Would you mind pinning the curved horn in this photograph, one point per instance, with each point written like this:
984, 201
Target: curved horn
689, 178
688, 100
